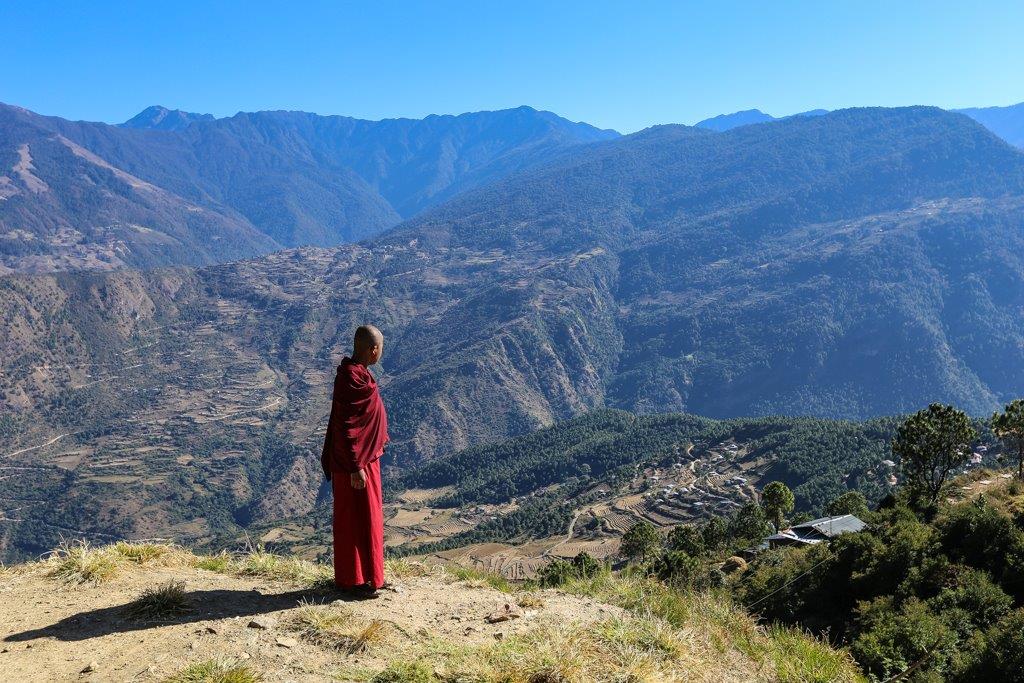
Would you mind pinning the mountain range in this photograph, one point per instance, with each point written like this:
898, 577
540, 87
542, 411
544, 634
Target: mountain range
171, 187
1006, 122
858, 263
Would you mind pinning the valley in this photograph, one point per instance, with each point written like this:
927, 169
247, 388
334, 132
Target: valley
671, 271
691, 489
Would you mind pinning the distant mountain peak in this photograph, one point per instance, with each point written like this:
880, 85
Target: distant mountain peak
1006, 122
724, 122
157, 117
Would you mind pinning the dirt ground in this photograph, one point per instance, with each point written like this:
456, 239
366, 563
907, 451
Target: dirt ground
50, 632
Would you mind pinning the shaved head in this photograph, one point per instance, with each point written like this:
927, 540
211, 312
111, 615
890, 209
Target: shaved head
367, 337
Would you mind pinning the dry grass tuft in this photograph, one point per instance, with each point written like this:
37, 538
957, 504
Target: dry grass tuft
719, 630
220, 563
337, 628
406, 672
635, 650
529, 600
372, 633
78, 563
216, 671
474, 578
166, 601
149, 552
404, 568
259, 562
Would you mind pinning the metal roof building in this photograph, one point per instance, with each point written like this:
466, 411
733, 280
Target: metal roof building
816, 531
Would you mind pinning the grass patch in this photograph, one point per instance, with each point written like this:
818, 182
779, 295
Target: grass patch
336, 628
403, 568
479, 579
405, 672
722, 627
151, 553
616, 649
78, 563
220, 563
259, 562
215, 671
629, 649
166, 601
802, 657
639, 648
529, 600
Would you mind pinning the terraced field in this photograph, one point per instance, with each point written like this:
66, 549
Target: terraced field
700, 483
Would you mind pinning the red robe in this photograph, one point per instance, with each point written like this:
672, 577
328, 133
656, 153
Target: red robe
356, 434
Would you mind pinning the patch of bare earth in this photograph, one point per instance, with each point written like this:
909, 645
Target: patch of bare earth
49, 631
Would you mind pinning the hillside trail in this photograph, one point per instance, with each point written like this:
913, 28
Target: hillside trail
52, 632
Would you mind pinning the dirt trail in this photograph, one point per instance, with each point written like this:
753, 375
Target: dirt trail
52, 633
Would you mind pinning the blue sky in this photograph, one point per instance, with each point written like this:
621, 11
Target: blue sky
621, 65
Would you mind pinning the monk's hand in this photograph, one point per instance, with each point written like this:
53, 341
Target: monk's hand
358, 479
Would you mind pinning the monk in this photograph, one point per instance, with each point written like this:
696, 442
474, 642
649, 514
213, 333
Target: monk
356, 434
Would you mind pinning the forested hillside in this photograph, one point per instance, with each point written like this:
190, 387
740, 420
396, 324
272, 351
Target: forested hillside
819, 459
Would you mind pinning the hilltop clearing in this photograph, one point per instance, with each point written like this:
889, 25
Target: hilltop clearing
84, 615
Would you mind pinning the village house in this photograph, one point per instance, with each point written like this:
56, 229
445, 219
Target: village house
816, 531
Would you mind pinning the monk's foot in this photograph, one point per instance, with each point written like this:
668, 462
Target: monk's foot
363, 592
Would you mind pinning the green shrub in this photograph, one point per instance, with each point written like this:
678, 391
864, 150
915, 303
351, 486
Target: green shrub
978, 535
559, 572
891, 640
679, 569
850, 503
1001, 655
641, 542
687, 539
972, 591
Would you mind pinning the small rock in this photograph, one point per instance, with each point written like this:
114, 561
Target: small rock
194, 645
90, 667
212, 629
499, 636
287, 642
506, 613
245, 655
264, 623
